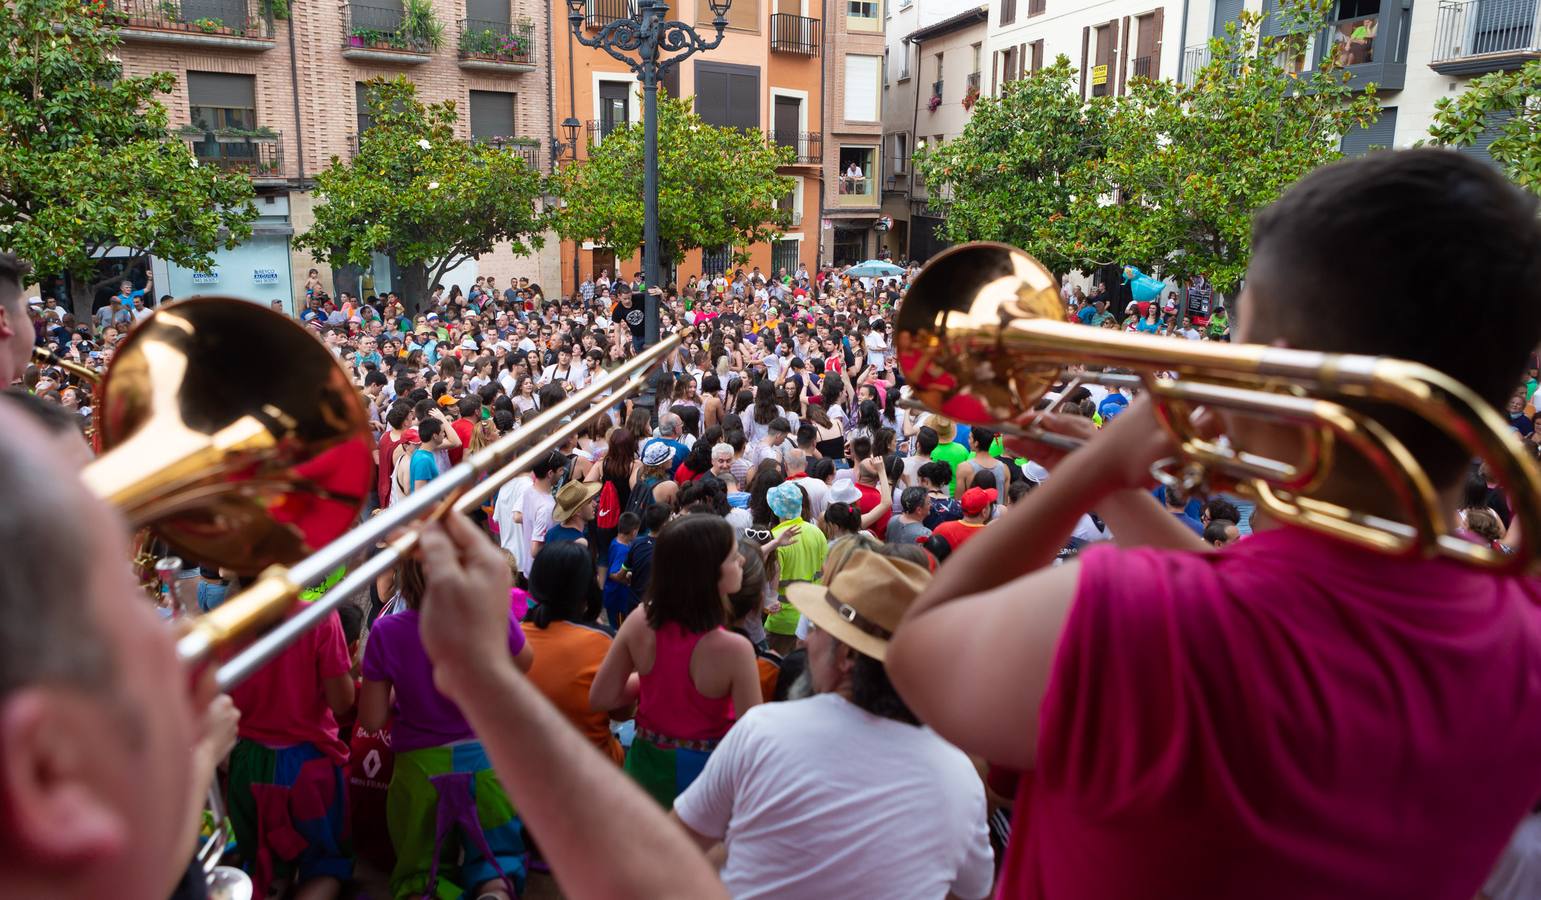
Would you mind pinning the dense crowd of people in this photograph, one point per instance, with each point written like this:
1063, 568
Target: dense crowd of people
774, 629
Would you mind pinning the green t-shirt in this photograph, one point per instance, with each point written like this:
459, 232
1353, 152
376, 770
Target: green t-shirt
801, 560
952, 453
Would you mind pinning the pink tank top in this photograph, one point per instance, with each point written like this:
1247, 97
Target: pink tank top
669, 704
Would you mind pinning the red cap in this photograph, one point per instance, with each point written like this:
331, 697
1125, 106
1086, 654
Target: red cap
410, 437
975, 500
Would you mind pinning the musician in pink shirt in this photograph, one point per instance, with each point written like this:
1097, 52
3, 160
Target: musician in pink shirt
1292, 716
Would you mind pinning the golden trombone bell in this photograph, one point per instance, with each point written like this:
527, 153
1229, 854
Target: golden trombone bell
981, 338
233, 433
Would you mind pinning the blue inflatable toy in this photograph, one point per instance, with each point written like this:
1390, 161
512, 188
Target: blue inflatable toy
1144, 288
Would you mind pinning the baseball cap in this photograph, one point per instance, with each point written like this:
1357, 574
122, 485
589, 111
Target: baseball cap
410, 437
975, 500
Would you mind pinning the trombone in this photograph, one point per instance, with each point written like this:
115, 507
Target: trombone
981, 337
458, 490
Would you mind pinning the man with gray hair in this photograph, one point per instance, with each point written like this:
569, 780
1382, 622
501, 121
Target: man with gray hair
669, 428
722, 466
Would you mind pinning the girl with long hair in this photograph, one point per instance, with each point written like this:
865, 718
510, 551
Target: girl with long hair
694, 677
618, 472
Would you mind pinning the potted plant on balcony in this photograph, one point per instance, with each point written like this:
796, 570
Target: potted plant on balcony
232, 135
263, 135
210, 26
420, 26
934, 103
971, 96
192, 132
359, 36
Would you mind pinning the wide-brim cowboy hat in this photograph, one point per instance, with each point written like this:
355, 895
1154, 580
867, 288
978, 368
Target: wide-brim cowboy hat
863, 604
571, 498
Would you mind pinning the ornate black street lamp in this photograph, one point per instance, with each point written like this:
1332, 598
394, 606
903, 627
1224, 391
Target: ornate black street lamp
648, 34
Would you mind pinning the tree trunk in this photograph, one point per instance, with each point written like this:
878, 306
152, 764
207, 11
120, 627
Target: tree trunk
412, 287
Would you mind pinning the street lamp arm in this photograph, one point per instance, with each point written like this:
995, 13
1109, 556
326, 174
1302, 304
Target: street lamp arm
628, 35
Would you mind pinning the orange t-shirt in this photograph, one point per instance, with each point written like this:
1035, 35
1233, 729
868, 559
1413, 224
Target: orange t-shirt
567, 656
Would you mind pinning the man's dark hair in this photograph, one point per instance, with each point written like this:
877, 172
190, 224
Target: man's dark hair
1400, 298
396, 416
13, 271
551, 463
1220, 508
982, 438
821, 468
374, 378
1214, 532
628, 522
780, 426
926, 440
428, 429
352, 618
470, 406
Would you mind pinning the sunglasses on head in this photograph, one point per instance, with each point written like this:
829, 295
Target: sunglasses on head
759, 535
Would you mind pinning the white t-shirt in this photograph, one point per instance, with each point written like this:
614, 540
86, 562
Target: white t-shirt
900, 812
538, 506
877, 346
509, 500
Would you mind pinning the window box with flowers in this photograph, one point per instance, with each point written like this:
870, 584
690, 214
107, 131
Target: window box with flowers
971, 96
934, 103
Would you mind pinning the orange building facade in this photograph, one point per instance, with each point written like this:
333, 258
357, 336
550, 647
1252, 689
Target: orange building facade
768, 73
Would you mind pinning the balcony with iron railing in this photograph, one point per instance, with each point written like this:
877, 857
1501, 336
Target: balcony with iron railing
598, 130
226, 24
973, 82
525, 147
258, 152
809, 146
1144, 66
380, 33
936, 89
603, 12
799, 35
1476, 36
1195, 58
497, 46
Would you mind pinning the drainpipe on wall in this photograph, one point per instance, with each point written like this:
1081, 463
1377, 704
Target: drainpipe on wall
909, 231
294, 89
825, 138
1182, 51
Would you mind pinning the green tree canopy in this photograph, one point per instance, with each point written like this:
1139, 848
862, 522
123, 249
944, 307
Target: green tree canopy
1014, 173
1510, 100
419, 194
86, 164
1188, 164
716, 186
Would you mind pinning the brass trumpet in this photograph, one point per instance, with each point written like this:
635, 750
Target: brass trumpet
981, 337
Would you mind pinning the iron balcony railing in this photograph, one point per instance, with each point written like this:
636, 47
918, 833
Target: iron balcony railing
493, 41
255, 155
809, 146
235, 18
521, 146
936, 89
1144, 67
603, 12
1194, 59
379, 27
1467, 28
973, 81
794, 34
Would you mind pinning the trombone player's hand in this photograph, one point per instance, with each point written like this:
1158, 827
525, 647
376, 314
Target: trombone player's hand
464, 623
1124, 449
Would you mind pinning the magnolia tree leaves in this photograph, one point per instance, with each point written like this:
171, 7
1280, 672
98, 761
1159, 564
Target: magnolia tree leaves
716, 186
1165, 177
87, 163
1511, 101
419, 194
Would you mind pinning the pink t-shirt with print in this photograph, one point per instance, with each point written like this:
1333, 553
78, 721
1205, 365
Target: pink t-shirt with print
1288, 718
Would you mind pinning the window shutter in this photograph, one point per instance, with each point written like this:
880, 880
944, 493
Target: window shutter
220, 90
1155, 54
492, 114
1086, 40
744, 99
1495, 127
861, 88
1360, 141
995, 74
487, 11
1123, 69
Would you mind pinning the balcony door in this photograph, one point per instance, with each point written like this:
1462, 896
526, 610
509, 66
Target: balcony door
614, 105
787, 123
1503, 25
